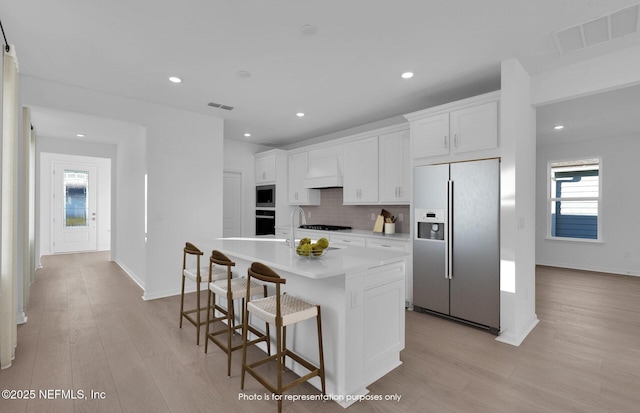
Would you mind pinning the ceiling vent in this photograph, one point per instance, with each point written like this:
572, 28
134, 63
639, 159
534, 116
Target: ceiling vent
219, 106
612, 26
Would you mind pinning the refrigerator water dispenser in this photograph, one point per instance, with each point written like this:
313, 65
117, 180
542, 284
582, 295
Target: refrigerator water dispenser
431, 224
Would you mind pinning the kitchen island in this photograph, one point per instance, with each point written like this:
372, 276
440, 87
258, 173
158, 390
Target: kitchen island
361, 293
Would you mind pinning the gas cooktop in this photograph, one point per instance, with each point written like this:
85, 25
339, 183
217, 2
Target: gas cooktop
324, 227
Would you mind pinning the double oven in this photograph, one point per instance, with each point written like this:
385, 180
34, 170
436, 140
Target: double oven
265, 210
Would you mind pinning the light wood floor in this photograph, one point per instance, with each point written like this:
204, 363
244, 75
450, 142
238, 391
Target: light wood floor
88, 329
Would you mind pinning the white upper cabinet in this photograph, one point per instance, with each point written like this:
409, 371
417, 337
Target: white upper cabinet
430, 136
361, 171
297, 194
456, 128
265, 169
475, 128
395, 168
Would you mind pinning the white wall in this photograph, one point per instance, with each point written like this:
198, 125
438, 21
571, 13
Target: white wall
238, 157
619, 212
44, 185
517, 212
587, 77
182, 157
129, 208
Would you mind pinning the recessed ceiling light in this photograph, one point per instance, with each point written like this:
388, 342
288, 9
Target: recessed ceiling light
300, 114
175, 79
407, 75
243, 73
309, 30
558, 127
80, 135
247, 135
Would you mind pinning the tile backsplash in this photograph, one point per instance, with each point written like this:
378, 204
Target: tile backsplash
332, 212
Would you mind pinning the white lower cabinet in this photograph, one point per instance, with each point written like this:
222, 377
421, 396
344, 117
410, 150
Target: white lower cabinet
388, 244
345, 240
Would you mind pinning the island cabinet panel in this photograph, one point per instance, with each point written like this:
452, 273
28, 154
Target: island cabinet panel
375, 323
383, 332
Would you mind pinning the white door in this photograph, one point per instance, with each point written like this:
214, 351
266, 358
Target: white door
75, 189
232, 204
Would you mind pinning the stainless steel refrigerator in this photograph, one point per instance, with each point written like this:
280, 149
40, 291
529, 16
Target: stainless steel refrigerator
456, 246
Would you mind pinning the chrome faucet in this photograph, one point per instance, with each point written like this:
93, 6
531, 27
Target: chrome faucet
303, 221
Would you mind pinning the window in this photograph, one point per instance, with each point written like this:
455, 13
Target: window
76, 200
574, 199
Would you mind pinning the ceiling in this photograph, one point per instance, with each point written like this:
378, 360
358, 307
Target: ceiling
344, 75
608, 114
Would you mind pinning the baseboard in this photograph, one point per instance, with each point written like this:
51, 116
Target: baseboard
588, 268
131, 274
21, 318
146, 296
169, 293
509, 337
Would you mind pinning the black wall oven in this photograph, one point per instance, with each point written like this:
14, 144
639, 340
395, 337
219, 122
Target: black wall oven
265, 222
266, 196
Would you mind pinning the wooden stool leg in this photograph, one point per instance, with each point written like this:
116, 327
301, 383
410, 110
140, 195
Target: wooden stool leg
280, 366
182, 301
284, 346
198, 314
267, 328
230, 325
321, 353
206, 332
245, 322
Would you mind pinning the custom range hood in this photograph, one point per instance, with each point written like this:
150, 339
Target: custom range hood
323, 172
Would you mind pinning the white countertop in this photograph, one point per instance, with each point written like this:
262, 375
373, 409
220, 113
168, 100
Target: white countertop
400, 236
276, 254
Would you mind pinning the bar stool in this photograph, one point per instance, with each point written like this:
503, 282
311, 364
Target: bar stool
281, 310
194, 274
231, 289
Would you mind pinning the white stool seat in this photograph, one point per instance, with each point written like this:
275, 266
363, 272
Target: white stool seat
238, 288
292, 309
192, 274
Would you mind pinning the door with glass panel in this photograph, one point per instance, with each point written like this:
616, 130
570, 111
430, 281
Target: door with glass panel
74, 207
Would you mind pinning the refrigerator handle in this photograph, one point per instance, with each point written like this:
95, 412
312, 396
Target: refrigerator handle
449, 254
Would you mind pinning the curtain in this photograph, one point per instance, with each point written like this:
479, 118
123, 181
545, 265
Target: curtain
28, 210
8, 208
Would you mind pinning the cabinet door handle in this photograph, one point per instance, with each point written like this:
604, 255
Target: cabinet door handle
455, 140
445, 142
